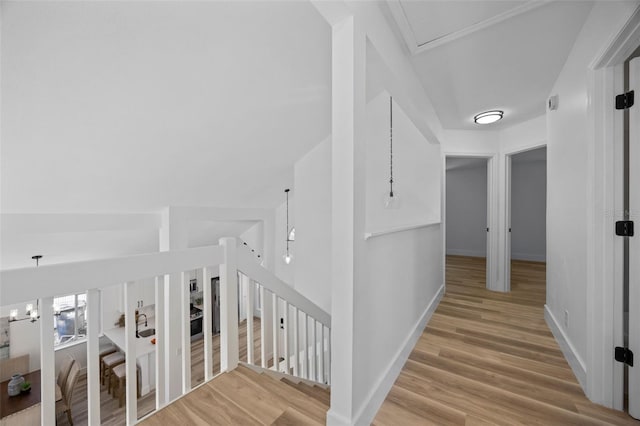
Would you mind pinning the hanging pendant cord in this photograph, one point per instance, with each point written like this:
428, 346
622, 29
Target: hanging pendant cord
287, 230
390, 146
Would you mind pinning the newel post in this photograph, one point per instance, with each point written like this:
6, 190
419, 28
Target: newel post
229, 347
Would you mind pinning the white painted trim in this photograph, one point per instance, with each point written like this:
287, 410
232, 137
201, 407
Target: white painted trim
604, 280
622, 45
416, 48
377, 233
464, 252
377, 395
575, 361
493, 212
20, 285
403, 25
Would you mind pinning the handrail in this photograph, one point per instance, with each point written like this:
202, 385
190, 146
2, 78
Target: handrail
247, 265
21, 285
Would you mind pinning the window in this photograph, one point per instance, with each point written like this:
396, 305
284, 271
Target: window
69, 319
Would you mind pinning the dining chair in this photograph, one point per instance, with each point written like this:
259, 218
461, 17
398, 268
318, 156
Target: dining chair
15, 365
64, 405
65, 368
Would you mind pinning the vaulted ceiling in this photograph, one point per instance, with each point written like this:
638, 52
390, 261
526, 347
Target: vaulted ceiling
472, 56
134, 106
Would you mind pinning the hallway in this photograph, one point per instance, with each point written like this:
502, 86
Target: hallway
489, 358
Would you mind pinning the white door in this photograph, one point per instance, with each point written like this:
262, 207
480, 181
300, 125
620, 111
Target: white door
507, 235
634, 242
490, 254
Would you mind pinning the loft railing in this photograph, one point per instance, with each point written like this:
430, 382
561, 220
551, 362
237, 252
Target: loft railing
294, 332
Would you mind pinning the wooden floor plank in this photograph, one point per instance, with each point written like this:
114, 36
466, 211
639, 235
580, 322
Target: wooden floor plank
488, 358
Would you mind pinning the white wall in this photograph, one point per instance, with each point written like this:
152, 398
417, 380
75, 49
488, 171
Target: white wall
568, 172
528, 210
466, 210
403, 274
313, 225
401, 271
416, 168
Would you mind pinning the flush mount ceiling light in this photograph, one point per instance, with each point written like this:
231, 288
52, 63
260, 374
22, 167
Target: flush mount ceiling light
488, 117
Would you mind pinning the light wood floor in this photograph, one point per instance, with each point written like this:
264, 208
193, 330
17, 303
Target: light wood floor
489, 358
112, 415
244, 397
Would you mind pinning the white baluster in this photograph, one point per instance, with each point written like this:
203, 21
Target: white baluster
130, 351
296, 345
314, 358
249, 308
305, 342
276, 325
186, 333
207, 321
47, 362
264, 337
161, 346
321, 363
329, 357
286, 337
93, 355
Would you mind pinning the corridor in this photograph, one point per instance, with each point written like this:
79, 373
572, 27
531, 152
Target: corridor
489, 358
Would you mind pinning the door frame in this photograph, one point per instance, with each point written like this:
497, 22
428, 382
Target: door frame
491, 276
506, 223
605, 376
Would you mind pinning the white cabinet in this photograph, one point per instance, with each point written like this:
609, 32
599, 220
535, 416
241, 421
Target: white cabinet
145, 292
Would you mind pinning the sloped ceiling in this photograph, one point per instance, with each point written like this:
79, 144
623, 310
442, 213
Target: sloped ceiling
472, 56
133, 106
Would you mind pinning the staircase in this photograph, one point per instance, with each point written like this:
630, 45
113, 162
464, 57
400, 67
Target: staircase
248, 396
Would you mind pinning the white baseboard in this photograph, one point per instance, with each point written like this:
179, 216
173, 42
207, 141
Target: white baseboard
465, 252
529, 256
575, 361
378, 394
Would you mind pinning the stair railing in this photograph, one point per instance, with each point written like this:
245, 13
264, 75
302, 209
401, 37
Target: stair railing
294, 332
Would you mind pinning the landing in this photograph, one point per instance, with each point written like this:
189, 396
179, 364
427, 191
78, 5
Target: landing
489, 358
244, 397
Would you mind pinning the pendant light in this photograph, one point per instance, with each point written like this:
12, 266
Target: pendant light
391, 200
32, 314
287, 255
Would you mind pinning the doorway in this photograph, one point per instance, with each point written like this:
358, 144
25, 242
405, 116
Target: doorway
526, 218
467, 188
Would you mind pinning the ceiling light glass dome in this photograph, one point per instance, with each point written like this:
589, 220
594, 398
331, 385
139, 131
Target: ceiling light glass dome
488, 117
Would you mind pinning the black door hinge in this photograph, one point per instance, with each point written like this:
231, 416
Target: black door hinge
624, 228
624, 355
624, 100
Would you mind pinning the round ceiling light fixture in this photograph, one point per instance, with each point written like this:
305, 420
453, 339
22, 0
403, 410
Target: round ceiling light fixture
488, 117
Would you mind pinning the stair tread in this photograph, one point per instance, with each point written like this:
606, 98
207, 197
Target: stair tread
243, 396
294, 398
315, 392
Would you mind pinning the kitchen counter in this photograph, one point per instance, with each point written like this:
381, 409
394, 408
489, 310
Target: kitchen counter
143, 344
145, 353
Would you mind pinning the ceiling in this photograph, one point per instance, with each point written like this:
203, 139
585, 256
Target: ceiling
134, 106
472, 56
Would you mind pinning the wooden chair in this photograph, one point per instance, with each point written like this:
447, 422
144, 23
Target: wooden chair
119, 378
65, 368
64, 405
108, 350
11, 366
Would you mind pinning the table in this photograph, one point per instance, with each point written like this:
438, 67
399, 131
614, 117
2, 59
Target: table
12, 404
